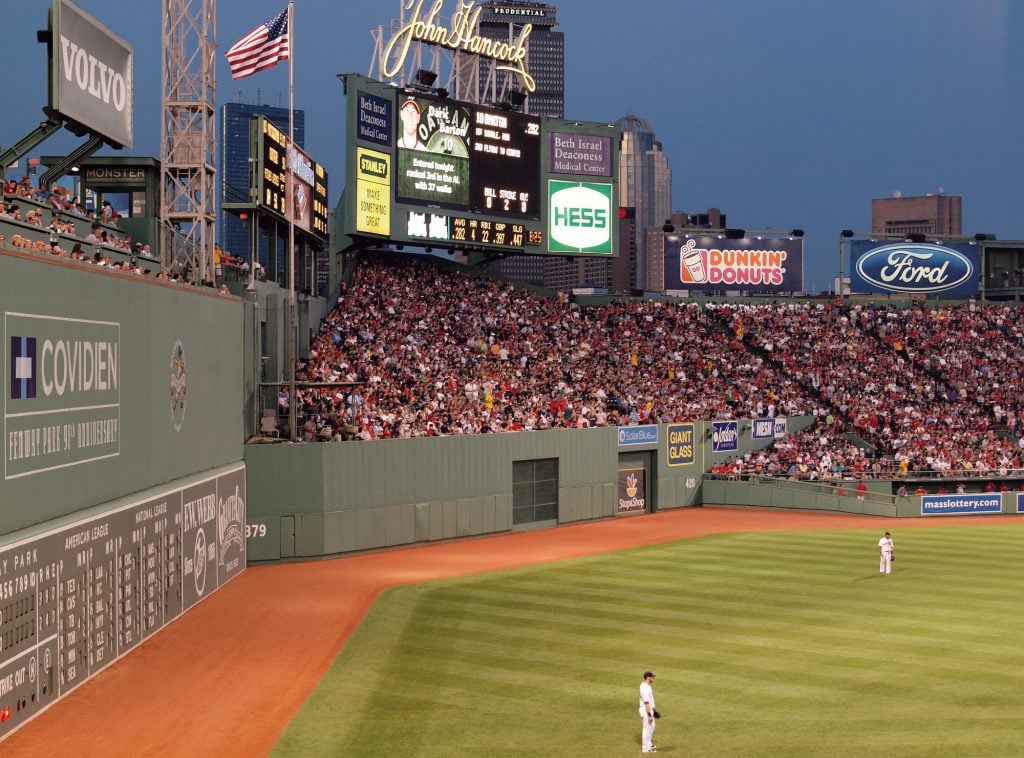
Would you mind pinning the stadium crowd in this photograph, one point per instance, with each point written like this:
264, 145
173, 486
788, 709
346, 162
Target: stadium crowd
884, 374
48, 220
439, 353
431, 352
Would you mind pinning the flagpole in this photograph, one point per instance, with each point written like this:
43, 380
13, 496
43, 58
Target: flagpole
292, 328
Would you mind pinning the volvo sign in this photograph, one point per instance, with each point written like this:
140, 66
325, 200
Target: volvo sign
90, 73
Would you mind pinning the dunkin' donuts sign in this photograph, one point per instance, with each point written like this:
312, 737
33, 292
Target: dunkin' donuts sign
749, 264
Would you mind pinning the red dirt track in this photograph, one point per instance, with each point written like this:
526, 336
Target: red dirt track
226, 678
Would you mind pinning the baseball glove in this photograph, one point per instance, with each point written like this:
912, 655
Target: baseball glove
657, 715
892, 558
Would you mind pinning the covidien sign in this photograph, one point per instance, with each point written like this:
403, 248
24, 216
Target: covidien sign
579, 217
62, 406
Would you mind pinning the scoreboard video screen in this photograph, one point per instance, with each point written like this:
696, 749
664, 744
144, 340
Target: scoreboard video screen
432, 171
468, 158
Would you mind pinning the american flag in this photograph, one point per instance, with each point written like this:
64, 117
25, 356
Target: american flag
261, 48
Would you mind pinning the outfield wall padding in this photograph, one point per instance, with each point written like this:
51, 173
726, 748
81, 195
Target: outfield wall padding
308, 500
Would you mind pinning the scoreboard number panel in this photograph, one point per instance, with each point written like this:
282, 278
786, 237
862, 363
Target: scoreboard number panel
274, 184
76, 598
308, 204
505, 165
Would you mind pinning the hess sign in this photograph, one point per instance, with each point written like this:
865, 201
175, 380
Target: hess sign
579, 217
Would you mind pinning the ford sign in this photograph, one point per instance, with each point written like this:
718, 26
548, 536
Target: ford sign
915, 269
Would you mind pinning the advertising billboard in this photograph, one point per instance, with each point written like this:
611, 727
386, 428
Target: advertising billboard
65, 375
580, 217
90, 73
914, 268
428, 170
748, 264
580, 154
682, 444
725, 436
632, 490
965, 504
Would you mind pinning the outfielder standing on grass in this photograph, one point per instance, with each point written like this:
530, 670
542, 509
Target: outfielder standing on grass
885, 549
647, 712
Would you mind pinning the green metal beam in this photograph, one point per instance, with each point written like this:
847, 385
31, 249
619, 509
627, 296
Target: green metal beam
42, 132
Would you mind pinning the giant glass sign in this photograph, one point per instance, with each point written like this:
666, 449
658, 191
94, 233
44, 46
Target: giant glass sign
914, 268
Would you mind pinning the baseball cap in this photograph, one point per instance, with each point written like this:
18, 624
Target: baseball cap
648, 674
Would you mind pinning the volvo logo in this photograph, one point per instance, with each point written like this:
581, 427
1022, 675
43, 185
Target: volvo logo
919, 268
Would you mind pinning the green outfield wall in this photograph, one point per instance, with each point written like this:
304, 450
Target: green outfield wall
122, 496
841, 496
112, 384
316, 499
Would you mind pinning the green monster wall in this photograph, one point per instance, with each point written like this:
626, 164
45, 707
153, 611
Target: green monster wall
112, 384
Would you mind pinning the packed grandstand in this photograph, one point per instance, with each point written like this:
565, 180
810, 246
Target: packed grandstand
431, 351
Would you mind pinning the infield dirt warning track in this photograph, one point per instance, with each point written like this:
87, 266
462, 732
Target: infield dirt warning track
227, 677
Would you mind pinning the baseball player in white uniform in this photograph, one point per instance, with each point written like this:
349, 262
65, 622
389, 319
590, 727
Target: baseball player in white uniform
647, 712
885, 554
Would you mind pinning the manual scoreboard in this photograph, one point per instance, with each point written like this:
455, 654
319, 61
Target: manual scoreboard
76, 598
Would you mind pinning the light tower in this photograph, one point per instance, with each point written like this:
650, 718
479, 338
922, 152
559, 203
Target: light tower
187, 134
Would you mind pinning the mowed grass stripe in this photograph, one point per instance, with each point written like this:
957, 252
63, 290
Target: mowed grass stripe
765, 644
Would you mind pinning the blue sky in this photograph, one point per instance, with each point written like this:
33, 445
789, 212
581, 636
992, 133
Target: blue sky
794, 113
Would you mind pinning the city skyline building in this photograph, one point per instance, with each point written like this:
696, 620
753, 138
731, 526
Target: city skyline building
936, 213
645, 184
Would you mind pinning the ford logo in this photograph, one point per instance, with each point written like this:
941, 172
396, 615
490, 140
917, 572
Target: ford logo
915, 268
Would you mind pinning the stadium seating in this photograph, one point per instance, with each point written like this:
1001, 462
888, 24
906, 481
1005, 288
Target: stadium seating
893, 389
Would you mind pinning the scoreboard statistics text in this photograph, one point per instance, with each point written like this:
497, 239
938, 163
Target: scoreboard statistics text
465, 157
76, 598
307, 206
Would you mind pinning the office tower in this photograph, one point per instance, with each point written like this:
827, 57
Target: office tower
930, 214
645, 183
233, 233
545, 56
545, 61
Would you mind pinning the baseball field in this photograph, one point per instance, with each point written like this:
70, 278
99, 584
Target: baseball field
771, 634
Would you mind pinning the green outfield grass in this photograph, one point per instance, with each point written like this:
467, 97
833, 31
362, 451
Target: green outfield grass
764, 644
